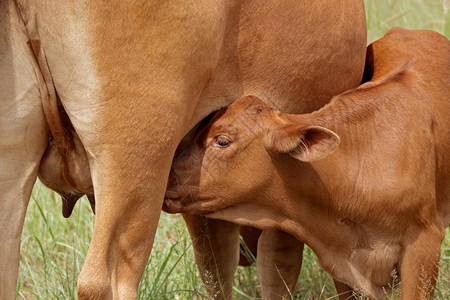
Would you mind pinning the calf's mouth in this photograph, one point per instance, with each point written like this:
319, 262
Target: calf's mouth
176, 203
172, 203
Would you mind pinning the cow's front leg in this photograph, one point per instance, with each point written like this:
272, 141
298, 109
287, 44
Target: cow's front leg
216, 248
419, 265
279, 261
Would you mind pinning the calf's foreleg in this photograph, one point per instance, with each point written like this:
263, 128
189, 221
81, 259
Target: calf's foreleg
216, 249
419, 264
278, 261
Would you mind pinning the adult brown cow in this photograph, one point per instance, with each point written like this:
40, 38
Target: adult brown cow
364, 181
134, 77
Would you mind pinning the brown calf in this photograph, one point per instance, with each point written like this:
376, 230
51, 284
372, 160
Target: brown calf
364, 181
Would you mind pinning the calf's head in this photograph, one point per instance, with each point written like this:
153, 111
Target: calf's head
231, 162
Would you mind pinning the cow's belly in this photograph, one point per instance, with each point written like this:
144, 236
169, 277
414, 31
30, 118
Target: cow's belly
265, 53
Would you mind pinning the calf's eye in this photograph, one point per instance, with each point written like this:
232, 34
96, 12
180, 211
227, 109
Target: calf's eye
221, 142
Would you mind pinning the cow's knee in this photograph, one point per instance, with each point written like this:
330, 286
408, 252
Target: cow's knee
93, 287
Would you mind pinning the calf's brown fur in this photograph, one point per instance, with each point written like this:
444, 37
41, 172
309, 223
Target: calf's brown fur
364, 181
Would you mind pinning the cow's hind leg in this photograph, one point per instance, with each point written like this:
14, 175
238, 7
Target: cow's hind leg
23, 138
128, 199
15, 188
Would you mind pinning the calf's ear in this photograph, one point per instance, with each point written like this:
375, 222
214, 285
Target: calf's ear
306, 144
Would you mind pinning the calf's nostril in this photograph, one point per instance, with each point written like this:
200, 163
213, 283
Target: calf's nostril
172, 195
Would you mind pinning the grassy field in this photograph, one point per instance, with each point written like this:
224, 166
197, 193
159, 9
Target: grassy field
53, 248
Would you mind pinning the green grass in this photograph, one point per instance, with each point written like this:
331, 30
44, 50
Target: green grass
53, 248
411, 14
